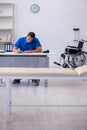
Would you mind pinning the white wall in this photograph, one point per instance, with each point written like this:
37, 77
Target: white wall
53, 24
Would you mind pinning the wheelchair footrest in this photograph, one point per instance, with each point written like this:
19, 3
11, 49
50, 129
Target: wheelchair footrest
57, 63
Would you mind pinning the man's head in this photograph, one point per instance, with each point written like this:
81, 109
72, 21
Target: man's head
30, 36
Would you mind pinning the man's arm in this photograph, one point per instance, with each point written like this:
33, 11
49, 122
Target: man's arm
16, 47
38, 50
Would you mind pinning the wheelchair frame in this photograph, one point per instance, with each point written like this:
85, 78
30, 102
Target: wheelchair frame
73, 56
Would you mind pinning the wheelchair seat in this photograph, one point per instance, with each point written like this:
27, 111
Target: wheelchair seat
73, 49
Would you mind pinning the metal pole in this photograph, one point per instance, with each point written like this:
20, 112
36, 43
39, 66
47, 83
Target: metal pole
8, 100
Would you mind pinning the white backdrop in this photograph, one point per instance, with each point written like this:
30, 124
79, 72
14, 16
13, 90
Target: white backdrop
54, 23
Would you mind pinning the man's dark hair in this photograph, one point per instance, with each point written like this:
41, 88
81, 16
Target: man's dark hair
31, 34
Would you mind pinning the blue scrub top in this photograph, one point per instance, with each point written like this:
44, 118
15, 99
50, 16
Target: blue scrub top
24, 45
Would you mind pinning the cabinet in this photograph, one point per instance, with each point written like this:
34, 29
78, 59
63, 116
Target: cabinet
6, 23
21, 60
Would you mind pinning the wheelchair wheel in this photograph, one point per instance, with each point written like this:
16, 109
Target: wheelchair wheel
71, 61
76, 60
65, 65
79, 59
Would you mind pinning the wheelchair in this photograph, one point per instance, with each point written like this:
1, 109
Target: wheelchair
73, 56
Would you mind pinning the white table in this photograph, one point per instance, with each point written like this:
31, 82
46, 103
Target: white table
9, 74
25, 73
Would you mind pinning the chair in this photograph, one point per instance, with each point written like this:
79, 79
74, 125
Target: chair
73, 56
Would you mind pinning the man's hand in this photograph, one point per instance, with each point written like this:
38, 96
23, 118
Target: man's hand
15, 49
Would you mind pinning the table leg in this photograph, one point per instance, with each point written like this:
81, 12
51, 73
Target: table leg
8, 100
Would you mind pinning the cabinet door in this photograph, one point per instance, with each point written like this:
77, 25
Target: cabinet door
4, 61
35, 62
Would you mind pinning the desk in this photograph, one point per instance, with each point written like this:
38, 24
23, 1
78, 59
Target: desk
34, 60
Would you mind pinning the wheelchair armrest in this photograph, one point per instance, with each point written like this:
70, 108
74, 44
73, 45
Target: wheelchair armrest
72, 46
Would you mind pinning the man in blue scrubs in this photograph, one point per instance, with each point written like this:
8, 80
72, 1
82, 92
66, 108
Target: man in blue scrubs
28, 44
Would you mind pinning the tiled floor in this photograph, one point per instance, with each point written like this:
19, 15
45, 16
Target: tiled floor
64, 106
